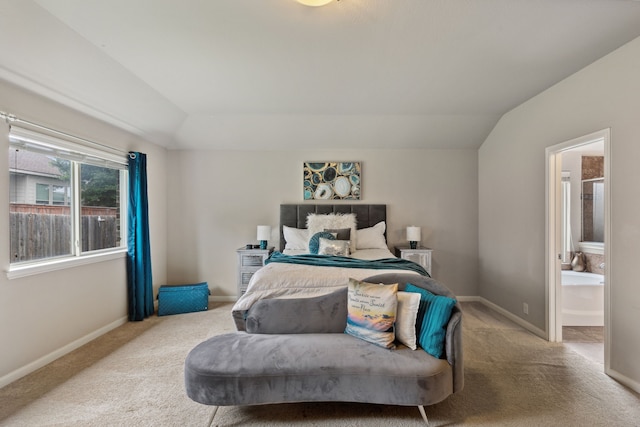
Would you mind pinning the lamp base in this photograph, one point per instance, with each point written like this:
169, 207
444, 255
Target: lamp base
263, 244
413, 245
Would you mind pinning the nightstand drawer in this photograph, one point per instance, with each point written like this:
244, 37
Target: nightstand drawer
252, 260
245, 277
249, 261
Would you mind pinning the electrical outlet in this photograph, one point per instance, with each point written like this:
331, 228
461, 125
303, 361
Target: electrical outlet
525, 308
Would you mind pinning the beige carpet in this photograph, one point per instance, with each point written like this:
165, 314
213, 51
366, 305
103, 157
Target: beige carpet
132, 376
585, 340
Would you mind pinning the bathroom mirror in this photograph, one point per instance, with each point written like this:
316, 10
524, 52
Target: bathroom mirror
593, 210
565, 189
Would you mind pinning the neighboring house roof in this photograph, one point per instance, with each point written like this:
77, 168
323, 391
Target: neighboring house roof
24, 161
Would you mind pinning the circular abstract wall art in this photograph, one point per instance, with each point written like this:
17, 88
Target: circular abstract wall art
331, 180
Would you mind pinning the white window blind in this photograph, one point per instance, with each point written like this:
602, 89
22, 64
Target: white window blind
64, 148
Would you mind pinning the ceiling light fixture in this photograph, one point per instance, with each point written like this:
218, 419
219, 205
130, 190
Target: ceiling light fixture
314, 3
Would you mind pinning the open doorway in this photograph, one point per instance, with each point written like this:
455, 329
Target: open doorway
577, 248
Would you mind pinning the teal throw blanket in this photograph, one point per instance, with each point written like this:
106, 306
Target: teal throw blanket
339, 261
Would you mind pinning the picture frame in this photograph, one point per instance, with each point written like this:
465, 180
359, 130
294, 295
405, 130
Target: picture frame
332, 180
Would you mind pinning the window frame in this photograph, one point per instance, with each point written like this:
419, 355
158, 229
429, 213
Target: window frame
78, 154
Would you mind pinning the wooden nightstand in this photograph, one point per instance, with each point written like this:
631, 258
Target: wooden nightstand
420, 255
249, 261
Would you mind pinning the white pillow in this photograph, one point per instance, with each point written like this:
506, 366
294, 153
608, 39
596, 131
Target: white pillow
333, 247
372, 237
407, 313
320, 222
296, 238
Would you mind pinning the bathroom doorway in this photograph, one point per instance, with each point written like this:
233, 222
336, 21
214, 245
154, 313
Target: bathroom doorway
577, 247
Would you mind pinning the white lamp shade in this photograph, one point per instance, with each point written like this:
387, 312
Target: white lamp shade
264, 232
413, 234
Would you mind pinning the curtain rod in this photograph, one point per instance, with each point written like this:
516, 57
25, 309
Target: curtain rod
11, 118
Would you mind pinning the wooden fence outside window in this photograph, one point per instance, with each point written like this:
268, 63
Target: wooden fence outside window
43, 231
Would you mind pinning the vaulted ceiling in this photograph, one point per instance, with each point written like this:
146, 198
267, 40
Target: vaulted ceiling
274, 74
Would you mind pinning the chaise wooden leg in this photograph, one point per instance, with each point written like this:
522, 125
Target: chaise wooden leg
213, 414
424, 414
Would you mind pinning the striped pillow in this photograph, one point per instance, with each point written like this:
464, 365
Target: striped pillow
435, 312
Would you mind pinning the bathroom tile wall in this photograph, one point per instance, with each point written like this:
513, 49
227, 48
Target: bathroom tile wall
592, 167
593, 263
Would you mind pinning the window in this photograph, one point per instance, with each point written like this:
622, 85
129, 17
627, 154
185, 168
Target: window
42, 193
59, 195
67, 200
47, 194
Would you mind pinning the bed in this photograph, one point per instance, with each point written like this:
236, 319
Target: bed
296, 340
292, 272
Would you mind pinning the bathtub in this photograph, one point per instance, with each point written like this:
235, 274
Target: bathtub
582, 299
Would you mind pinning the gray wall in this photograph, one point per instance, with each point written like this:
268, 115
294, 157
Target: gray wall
45, 315
217, 198
512, 195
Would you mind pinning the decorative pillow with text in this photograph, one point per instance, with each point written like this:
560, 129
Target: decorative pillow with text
371, 312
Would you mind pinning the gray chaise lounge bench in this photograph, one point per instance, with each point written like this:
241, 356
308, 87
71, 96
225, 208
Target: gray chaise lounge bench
312, 360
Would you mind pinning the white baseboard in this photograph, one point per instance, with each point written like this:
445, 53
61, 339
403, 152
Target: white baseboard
518, 320
624, 380
33, 366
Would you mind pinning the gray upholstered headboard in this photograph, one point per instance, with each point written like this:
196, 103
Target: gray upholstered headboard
296, 215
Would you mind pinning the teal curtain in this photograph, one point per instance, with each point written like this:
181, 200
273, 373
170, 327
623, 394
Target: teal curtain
139, 281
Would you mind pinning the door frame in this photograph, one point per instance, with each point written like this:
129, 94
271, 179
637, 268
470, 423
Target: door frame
553, 294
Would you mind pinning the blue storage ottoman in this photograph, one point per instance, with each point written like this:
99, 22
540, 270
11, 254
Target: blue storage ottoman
176, 299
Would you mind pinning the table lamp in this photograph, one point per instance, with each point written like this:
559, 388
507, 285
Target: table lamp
413, 236
264, 234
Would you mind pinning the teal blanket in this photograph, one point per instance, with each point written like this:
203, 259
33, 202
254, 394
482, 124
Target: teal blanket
339, 261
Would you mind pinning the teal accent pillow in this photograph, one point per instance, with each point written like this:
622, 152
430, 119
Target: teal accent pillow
314, 242
433, 315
